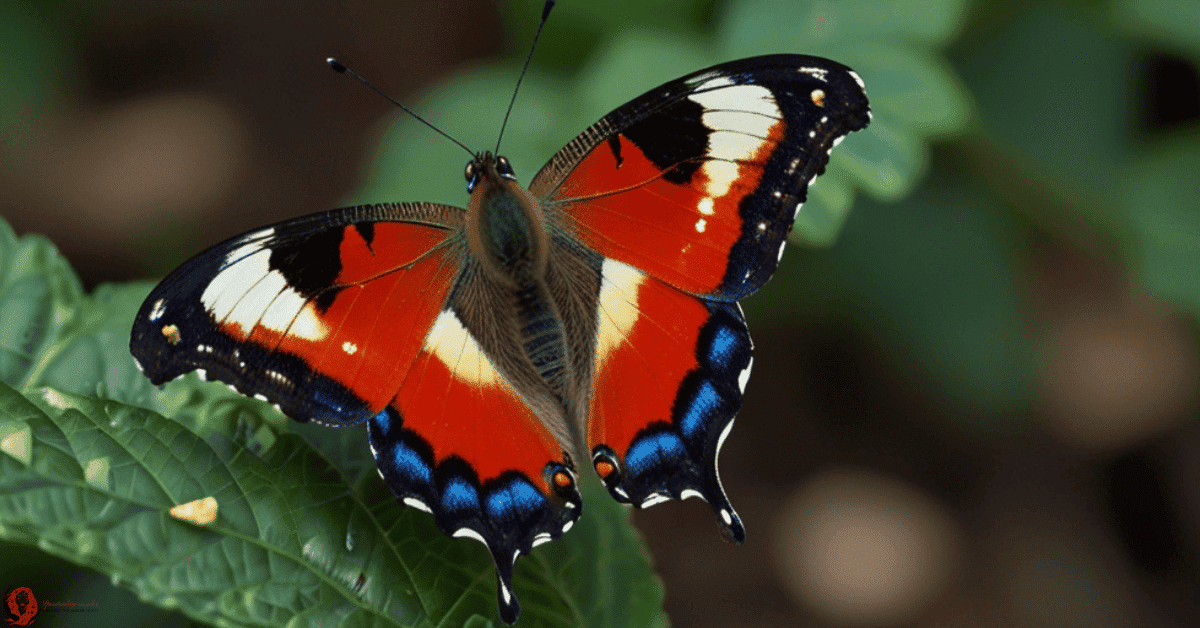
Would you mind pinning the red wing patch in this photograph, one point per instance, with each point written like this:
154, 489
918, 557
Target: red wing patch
455, 399
323, 319
645, 347
698, 182
682, 232
364, 331
460, 443
670, 372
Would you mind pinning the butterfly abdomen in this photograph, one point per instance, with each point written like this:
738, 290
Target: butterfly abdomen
542, 333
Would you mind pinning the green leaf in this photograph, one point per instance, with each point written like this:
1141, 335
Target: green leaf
92, 481
609, 584
39, 298
103, 477
1069, 111
33, 49
52, 334
1079, 165
1176, 22
1160, 198
935, 283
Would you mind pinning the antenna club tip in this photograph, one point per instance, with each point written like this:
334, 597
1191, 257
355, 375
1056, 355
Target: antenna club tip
546, 9
336, 65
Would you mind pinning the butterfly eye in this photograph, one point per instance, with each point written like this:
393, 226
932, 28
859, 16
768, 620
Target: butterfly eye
505, 169
472, 177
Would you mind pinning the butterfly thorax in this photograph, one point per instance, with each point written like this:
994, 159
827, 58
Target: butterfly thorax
505, 225
509, 243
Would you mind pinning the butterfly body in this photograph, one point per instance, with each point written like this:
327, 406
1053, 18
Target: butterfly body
590, 318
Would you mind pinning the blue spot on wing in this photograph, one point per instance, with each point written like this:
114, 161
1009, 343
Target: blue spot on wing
704, 402
383, 420
409, 463
460, 495
517, 497
646, 452
724, 343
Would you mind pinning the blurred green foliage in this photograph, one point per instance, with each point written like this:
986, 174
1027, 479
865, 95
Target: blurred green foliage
33, 53
1030, 116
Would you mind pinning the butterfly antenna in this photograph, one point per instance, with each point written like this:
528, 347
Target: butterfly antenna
528, 57
341, 68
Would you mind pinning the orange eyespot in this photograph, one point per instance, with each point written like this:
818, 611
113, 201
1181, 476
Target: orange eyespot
171, 333
562, 480
604, 468
818, 97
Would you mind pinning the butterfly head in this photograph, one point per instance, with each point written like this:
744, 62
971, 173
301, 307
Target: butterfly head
478, 167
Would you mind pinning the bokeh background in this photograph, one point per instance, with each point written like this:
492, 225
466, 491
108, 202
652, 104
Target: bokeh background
974, 399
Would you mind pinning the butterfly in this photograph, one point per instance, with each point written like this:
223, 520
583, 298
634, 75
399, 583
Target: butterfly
589, 318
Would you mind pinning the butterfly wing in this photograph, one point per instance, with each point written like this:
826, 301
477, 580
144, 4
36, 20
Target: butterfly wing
466, 435
689, 193
671, 371
293, 312
698, 182
363, 314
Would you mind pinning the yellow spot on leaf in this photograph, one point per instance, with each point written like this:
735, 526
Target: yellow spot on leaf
16, 440
97, 473
200, 512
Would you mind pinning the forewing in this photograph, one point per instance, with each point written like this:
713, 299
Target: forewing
698, 182
321, 315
